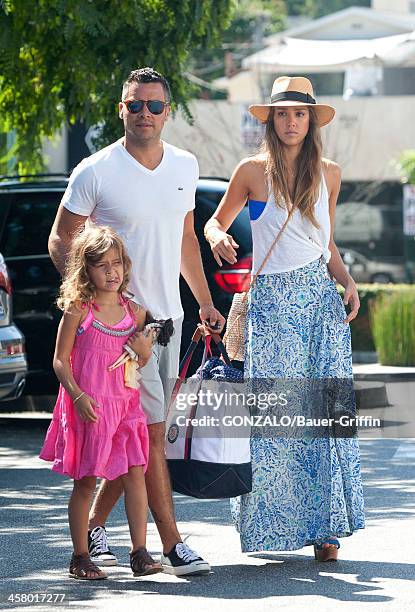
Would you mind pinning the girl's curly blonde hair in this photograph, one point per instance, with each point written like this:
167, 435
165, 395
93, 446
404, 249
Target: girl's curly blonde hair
88, 247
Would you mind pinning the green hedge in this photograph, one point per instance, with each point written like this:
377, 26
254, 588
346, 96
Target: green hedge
392, 319
362, 338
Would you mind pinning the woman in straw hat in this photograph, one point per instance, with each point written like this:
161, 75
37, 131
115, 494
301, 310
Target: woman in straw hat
307, 486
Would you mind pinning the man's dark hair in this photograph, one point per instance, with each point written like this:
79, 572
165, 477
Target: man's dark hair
146, 75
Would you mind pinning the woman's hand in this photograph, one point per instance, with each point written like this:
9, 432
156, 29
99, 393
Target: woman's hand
85, 407
351, 298
222, 245
142, 344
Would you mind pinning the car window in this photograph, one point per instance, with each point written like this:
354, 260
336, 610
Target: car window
240, 228
369, 219
28, 224
4, 208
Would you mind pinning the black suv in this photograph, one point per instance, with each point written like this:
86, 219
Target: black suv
27, 211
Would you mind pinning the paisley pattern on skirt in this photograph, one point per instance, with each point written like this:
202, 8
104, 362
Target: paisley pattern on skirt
308, 489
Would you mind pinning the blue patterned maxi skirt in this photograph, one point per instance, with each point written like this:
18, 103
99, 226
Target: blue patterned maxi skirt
308, 489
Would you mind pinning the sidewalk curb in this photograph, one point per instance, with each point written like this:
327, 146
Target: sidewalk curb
370, 394
390, 378
23, 419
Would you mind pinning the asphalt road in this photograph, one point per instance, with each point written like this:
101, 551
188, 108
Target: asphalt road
376, 570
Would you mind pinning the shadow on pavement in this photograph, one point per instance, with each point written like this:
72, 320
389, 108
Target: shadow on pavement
35, 548
294, 577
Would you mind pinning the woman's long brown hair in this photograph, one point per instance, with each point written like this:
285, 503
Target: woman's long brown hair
308, 171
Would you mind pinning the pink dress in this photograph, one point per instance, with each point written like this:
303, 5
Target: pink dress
119, 440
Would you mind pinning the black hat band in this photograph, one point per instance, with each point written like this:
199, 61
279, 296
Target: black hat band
295, 96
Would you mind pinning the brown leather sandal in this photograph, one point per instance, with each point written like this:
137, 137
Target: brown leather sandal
80, 565
142, 563
327, 551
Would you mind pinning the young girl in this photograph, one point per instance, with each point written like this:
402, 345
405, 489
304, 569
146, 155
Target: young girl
305, 490
99, 428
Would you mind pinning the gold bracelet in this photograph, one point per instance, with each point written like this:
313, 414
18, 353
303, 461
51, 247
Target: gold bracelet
79, 397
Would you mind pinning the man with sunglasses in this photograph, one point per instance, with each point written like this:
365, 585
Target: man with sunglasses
144, 188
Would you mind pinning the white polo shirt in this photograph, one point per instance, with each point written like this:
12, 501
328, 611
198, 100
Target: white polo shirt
147, 208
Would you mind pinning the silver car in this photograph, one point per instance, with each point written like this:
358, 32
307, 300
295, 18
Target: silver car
13, 363
365, 270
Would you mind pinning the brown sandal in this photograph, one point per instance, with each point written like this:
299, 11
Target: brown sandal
142, 564
327, 551
80, 565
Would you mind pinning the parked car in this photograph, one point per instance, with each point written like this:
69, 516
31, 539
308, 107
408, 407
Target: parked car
13, 364
27, 210
365, 270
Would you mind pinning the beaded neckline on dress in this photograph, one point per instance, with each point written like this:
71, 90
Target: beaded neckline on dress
112, 330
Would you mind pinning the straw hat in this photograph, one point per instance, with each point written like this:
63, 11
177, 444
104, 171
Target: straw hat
293, 91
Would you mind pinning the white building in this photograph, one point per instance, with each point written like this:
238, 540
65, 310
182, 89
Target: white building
357, 51
360, 60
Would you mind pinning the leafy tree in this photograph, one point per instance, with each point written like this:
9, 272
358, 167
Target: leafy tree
406, 166
63, 61
319, 8
297, 7
325, 7
252, 20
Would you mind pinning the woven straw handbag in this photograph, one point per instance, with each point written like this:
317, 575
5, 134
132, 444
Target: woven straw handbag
234, 337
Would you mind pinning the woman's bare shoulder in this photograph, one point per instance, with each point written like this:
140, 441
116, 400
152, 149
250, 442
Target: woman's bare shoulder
331, 168
253, 162
332, 174
252, 166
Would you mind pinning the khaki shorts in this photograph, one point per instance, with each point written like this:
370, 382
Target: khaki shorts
159, 375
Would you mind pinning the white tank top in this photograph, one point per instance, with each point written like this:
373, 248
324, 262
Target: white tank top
300, 243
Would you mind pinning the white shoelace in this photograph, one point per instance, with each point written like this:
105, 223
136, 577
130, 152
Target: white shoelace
186, 553
99, 540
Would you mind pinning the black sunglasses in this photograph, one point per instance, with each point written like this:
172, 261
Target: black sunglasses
156, 107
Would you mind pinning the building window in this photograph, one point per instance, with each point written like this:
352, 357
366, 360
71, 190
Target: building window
324, 83
399, 81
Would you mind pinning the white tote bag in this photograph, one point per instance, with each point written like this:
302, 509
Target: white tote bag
208, 434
